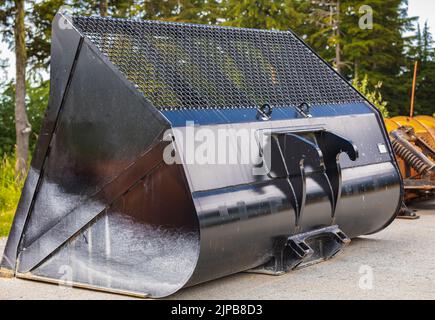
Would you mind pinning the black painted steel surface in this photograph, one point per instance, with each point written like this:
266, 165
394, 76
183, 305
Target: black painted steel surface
101, 207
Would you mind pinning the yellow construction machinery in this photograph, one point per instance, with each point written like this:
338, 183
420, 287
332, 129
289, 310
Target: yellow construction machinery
413, 140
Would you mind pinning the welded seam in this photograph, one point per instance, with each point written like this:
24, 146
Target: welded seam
47, 153
91, 220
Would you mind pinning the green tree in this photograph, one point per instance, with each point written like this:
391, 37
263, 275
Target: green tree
193, 11
4, 65
261, 14
336, 34
38, 43
43, 13
372, 94
326, 19
424, 53
36, 103
380, 52
7, 120
22, 125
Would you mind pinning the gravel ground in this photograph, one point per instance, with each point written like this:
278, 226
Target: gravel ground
400, 259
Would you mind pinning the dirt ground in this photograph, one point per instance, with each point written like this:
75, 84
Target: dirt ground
397, 263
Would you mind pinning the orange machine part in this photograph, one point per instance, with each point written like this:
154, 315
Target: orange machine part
424, 128
428, 122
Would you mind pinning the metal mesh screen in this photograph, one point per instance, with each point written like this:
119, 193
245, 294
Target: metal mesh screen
197, 66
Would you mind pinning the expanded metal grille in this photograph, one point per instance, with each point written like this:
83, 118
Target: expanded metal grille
197, 66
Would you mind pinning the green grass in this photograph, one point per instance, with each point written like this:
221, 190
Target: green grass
10, 190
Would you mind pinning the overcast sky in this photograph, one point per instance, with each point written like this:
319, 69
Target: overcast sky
425, 9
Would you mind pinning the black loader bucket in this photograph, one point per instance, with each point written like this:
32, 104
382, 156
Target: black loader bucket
124, 195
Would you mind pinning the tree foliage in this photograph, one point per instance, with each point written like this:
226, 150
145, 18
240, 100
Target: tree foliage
262, 14
424, 54
372, 94
10, 191
36, 103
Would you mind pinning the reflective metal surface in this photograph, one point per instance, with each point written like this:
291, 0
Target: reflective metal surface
101, 207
